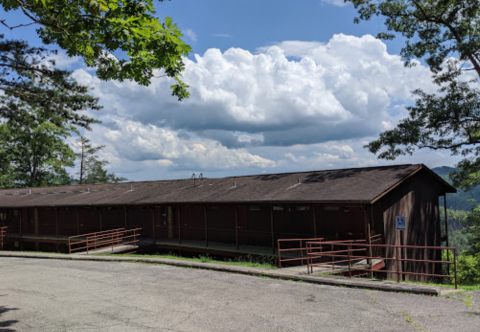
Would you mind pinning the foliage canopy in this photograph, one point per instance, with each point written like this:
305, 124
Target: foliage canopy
34, 152
122, 39
433, 29
40, 107
446, 34
29, 80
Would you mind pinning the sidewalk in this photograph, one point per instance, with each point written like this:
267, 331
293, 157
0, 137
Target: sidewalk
286, 274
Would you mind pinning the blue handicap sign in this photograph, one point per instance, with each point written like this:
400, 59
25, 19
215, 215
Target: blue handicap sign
401, 223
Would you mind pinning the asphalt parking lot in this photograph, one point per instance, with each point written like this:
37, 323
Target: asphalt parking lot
58, 295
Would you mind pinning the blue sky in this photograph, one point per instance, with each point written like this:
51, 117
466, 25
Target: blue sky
276, 86
251, 24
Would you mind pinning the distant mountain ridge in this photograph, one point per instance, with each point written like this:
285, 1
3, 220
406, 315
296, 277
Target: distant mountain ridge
458, 201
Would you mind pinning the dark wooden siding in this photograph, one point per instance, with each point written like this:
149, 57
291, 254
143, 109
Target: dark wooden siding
113, 218
140, 217
67, 221
11, 218
417, 200
89, 220
46, 222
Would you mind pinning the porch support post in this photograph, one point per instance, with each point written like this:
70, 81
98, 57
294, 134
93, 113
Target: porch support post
100, 210
369, 240
365, 222
446, 224
206, 224
314, 211
56, 222
35, 216
21, 211
153, 223
78, 220
125, 215
179, 225
20, 228
236, 226
271, 229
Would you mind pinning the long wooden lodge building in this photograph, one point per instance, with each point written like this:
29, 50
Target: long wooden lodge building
235, 215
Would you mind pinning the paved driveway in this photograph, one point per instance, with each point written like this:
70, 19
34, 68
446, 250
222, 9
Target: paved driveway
57, 295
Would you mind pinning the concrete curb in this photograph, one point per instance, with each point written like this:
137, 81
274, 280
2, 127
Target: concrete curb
252, 271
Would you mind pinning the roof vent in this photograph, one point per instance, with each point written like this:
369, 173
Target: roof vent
298, 181
88, 190
193, 178
234, 184
201, 177
29, 191
131, 187
16, 193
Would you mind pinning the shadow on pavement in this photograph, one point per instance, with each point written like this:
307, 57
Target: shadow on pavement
6, 324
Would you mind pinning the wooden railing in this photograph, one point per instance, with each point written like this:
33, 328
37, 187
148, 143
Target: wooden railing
349, 253
105, 239
3, 234
301, 248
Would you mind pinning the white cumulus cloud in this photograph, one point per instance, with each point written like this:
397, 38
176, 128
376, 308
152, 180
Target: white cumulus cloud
339, 3
292, 104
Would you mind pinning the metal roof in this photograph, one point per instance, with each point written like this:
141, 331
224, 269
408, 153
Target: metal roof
354, 185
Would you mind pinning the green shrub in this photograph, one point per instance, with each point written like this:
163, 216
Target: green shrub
468, 269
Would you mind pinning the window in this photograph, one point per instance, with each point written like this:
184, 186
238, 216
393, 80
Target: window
303, 208
332, 208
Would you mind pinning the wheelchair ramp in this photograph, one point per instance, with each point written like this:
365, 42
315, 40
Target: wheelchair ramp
118, 240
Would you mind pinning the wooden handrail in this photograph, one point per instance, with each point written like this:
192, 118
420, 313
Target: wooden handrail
104, 239
314, 251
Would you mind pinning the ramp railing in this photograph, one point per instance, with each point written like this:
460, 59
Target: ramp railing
105, 239
404, 257
3, 234
302, 248
299, 246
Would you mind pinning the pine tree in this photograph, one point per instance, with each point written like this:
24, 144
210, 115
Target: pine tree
90, 167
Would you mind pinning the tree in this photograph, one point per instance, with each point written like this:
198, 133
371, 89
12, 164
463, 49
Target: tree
34, 152
91, 169
122, 39
38, 110
30, 81
436, 30
433, 29
6, 180
472, 228
86, 157
99, 174
458, 236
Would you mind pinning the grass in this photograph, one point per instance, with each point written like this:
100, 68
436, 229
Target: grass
464, 288
467, 300
249, 261
409, 319
206, 259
